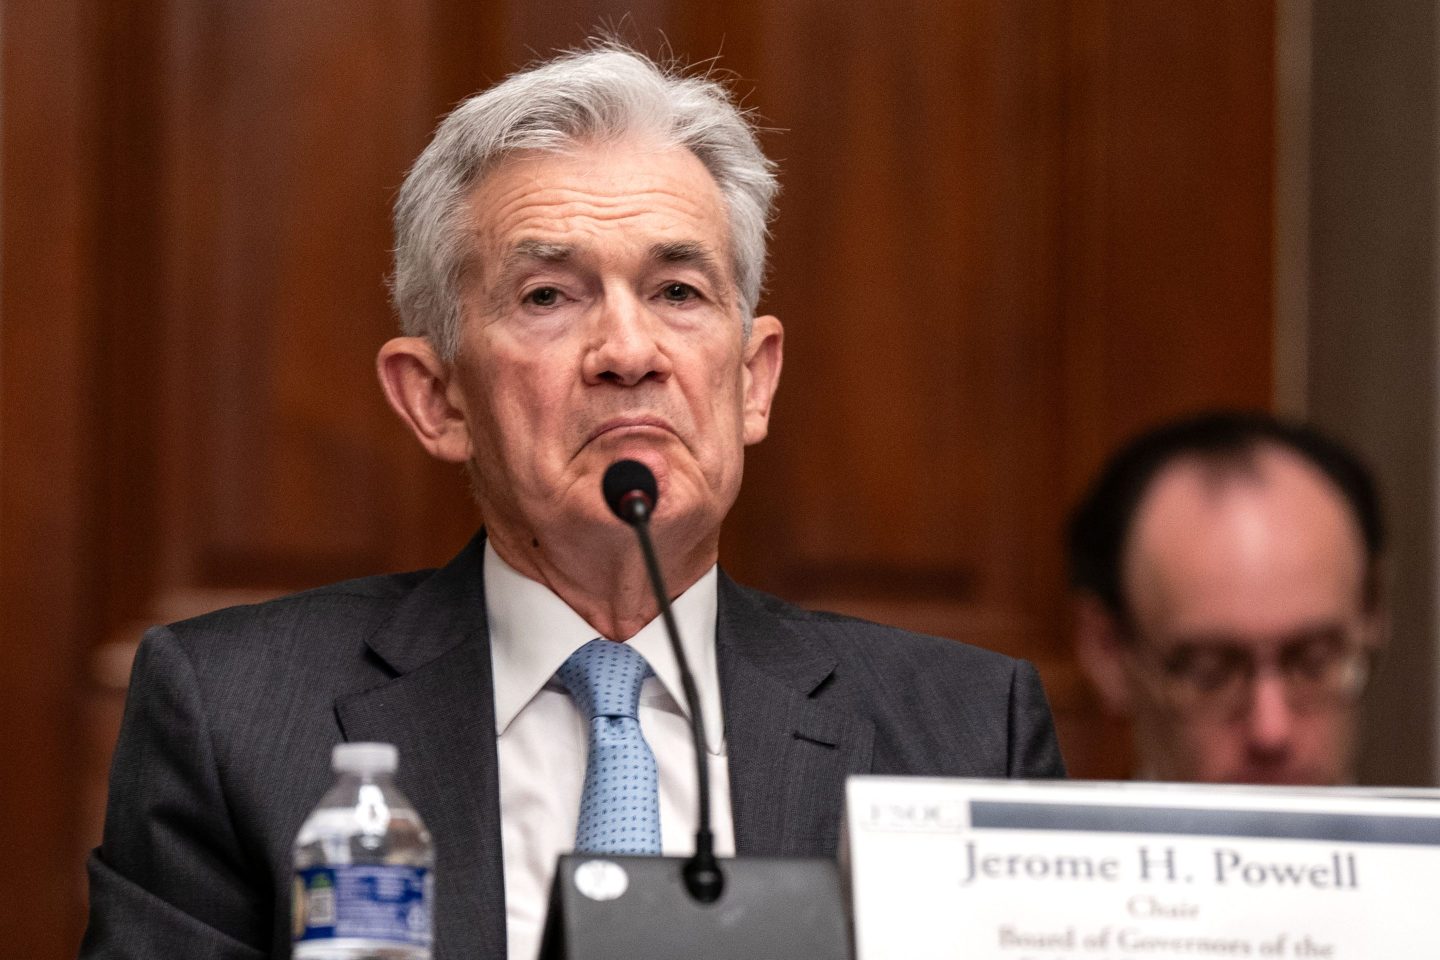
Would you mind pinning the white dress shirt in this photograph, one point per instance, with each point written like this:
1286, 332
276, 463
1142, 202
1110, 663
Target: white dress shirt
543, 739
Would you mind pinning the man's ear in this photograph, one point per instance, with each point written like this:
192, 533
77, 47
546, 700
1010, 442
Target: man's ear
417, 384
1100, 649
763, 356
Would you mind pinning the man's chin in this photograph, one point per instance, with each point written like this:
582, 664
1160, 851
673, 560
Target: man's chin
602, 456
1286, 776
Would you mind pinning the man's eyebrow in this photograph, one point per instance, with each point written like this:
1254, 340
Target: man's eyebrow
1324, 629
525, 252
690, 253
521, 256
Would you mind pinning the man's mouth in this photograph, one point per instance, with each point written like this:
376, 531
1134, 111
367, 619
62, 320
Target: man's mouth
619, 425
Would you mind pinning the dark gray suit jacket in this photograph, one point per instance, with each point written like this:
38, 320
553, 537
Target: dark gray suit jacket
230, 720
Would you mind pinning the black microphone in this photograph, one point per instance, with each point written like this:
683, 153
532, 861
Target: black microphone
633, 907
630, 490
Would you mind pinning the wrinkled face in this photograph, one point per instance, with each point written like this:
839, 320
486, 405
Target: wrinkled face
1243, 591
602, 323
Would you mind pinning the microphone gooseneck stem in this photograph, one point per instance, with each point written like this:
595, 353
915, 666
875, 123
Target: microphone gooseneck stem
702, 872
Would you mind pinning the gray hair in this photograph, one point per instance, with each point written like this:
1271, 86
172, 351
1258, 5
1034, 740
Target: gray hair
604, 93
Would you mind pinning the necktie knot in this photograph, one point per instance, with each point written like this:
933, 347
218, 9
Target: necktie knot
604, 679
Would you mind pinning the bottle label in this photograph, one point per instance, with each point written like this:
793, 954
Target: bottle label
365, 901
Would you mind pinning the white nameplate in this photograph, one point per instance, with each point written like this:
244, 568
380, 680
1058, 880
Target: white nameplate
1001, 870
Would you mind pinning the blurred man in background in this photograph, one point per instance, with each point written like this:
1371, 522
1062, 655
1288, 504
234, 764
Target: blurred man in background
1228, 598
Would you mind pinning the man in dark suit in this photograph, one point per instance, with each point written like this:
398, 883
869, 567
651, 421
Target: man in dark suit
578, 259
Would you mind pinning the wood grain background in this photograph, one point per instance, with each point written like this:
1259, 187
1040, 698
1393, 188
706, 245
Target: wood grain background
1011, 232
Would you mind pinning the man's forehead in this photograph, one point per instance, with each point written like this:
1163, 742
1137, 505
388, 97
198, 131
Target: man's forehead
634, 199
607, 181
1196, 500
1265, 547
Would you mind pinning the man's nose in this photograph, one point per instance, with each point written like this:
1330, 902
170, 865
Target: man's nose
624, 346
1272, 719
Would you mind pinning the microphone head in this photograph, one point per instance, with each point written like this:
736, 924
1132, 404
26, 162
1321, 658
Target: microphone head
628, 484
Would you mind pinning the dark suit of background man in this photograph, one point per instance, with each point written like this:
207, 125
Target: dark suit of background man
579, 252
1227, 569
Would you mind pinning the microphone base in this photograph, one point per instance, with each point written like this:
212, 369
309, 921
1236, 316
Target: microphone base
638, 908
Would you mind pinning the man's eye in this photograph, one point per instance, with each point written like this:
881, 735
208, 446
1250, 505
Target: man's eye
1208, 669
1314, 658
543, 297
678, 292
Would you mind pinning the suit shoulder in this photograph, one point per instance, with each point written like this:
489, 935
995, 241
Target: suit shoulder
853, 637
928, 705
351, 607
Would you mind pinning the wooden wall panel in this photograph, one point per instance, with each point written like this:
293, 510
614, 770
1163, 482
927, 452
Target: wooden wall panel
1168, 264
1009, 234
281, 170
1169, 234
48, 557
921, 183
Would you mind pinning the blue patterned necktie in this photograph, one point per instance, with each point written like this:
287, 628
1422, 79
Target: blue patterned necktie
620, 806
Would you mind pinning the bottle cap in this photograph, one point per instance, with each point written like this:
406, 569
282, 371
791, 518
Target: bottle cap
364, 758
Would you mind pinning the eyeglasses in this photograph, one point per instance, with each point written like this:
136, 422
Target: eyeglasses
1322, 670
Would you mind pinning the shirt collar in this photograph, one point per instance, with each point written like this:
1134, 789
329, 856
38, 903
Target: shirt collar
533, 632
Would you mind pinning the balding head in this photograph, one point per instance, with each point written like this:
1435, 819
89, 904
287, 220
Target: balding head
1252, 549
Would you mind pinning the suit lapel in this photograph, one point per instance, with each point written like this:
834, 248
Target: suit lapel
439, 711
789, 751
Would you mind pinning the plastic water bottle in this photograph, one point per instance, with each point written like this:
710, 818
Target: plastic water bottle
363, 861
